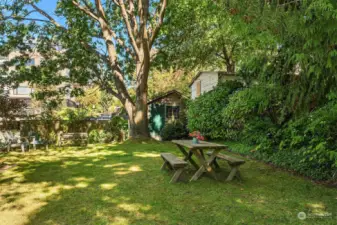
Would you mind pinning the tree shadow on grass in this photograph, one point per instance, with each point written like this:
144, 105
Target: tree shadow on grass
86, 189
123, 184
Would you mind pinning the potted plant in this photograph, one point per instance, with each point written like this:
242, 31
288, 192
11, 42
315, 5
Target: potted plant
196, 135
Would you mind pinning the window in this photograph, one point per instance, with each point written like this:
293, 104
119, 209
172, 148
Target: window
23, 90
172, 112
198, 88
30, 62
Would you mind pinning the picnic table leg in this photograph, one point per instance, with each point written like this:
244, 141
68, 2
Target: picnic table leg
188, 156
215, 163
198, 174
176, 175
232, 173
205, 165
166, 165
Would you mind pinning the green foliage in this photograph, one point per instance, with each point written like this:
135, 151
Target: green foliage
73, 118
162, 81
306, 144
256, 116
117, 127
252, 112
205, 113
114, 130
213, 34
174, 130
99, 136
10, 108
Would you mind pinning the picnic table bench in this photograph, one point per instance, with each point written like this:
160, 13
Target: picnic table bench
172, 162
206, 164
233, 162
77, 138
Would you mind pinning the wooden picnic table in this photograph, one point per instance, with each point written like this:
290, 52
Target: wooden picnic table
198, 150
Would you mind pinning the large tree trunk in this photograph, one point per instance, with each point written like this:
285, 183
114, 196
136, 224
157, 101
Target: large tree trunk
138, 119
138, 112
138, 123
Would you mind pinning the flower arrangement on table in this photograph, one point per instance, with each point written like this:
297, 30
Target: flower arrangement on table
196, 137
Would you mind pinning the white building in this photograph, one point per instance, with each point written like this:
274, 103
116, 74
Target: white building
205, 81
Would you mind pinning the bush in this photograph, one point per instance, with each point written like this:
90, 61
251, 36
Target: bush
205, 113
117, 127
114, 130
306, 144
174, 130
100, 136
252, 114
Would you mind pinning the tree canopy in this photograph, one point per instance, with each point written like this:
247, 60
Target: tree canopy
287, 44
107, 43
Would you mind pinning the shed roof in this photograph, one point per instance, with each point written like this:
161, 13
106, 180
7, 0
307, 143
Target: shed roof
164, 96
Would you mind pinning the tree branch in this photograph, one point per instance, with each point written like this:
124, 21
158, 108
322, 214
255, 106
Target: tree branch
160, 16
85, 10
51, 19
131, 12
28, 19
107, 34
129, 28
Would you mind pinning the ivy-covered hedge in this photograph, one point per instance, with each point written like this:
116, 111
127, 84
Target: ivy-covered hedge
205, 112
306, 143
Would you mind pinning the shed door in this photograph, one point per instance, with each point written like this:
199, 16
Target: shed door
157, 118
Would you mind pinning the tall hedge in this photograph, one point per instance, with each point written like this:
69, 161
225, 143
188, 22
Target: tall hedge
205, 112
255, 115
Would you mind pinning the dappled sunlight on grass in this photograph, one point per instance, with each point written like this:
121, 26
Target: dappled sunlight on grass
146, 154
133, 207
123, 184
135, 169
108, 186
114, 165
317, 208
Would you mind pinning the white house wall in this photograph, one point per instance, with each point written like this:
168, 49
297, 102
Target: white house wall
208, 81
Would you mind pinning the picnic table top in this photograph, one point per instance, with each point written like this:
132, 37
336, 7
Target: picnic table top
201, 145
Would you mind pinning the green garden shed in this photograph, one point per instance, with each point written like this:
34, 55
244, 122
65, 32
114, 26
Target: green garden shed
164, 109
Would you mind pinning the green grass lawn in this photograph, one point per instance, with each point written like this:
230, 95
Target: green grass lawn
123, 184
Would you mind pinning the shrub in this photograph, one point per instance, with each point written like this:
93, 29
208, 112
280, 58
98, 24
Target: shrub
306, 144
174, 130
100, 136
117, 127
114, 130
258, 115
205, 113
253, 113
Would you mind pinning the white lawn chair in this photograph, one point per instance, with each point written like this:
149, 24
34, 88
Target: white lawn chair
14, 140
